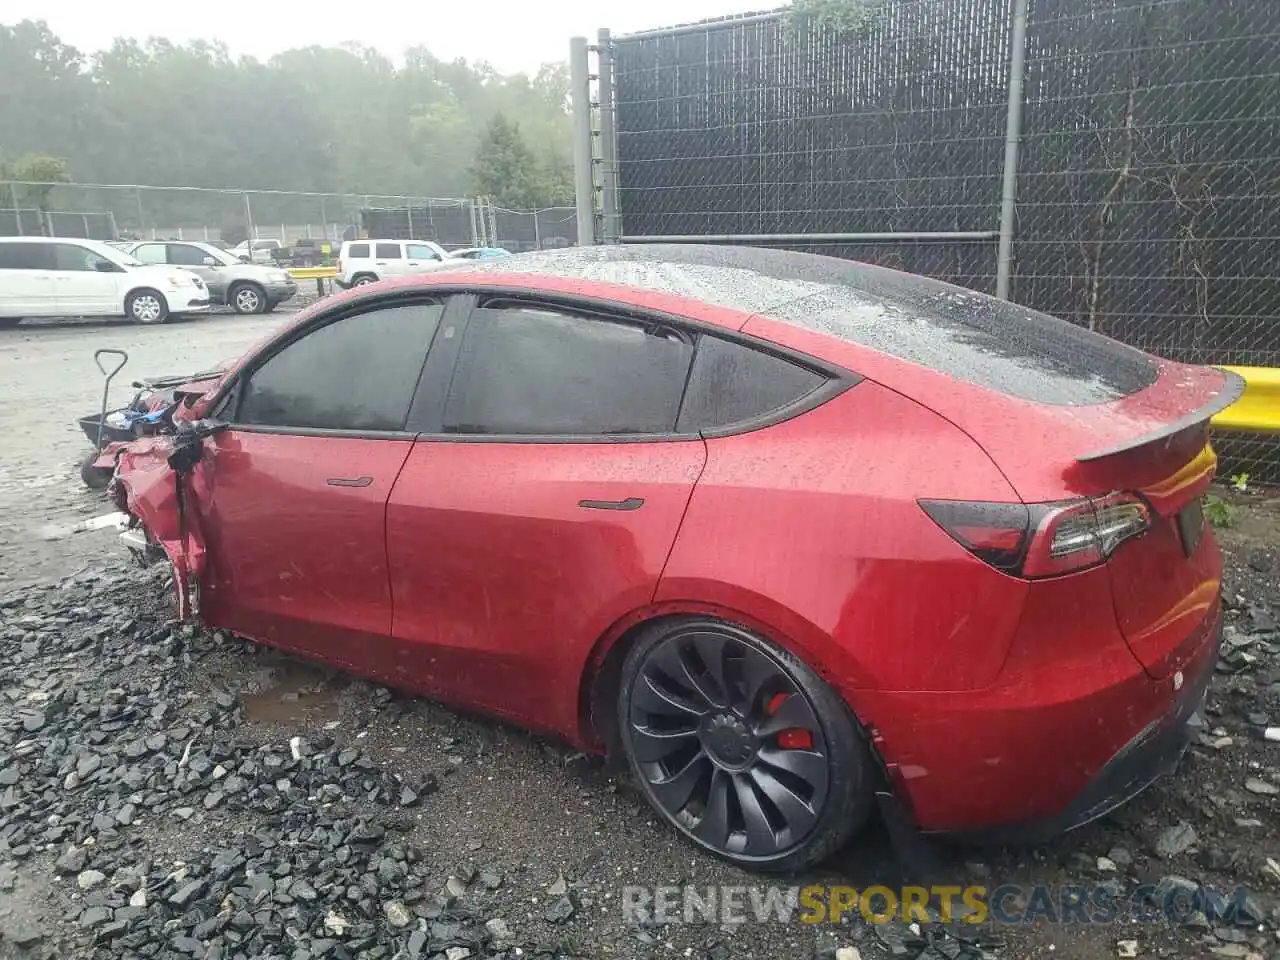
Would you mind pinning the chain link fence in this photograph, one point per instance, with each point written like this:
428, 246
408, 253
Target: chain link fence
1148, 172
106, 212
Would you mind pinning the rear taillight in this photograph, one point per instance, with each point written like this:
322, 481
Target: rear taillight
1042, 539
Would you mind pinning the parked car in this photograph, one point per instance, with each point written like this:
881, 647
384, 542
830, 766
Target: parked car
783, 529
65, 277
258, 251
479, 253
245, 287
366, 261
310, 252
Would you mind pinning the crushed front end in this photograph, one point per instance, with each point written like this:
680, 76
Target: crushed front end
153, 485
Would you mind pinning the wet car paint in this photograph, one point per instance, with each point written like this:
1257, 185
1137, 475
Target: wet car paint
807, 530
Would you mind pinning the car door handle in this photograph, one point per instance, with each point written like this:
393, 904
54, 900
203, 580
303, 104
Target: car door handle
349, 481
631, 503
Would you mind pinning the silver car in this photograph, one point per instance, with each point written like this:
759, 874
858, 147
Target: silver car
245, 287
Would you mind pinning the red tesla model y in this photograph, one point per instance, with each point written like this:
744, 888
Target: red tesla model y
784, 529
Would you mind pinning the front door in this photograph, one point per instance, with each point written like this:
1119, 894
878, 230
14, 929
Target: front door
190, 257
87, 283
541, 509
296, 488
419, 258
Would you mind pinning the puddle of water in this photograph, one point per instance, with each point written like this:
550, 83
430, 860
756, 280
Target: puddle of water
294, 692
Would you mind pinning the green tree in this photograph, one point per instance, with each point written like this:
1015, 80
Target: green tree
36, 176
508, 171
341, 119
504, 166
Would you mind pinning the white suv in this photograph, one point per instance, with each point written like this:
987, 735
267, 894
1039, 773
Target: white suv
365, 261
66, 277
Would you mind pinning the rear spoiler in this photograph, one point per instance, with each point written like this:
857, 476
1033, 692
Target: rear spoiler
1232, 390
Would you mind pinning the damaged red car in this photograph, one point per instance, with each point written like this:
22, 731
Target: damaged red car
789, 532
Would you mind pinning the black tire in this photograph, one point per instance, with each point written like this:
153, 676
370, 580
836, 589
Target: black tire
146, 306
704, 747
95, 478
363, 279
247, 298
271, 306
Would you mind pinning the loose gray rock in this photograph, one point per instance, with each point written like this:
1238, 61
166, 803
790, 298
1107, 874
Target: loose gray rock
88, 879
1174, 840
499, 930
558, 910
397, 913
71, 862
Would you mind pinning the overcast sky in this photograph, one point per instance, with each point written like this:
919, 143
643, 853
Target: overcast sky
510, 34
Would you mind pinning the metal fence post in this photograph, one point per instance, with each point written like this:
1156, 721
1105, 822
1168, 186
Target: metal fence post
1012, 137
17, 213
141, 218
248, 220
583, 180
611, 228
537, 230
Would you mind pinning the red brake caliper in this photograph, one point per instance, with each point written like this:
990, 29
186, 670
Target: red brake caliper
795, 738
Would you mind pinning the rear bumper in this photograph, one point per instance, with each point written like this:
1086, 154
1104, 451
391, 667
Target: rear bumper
1153, 752
1074, 728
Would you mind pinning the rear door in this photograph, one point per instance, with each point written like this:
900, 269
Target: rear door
539, 505
389, 260
27, 287
295, 511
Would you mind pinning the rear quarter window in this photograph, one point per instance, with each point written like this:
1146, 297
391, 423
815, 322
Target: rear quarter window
732, 383
358, 251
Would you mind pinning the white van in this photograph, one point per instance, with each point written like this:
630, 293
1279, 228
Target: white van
365, 261
66, 277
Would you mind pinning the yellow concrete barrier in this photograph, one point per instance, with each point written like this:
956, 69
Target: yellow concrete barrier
312, 273
1258, 411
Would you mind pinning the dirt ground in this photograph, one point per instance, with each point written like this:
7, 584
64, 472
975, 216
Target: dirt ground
551, 824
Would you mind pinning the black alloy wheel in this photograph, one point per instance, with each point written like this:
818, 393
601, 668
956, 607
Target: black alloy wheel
741, 746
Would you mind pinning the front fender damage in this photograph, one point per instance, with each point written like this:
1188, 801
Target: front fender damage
155, 483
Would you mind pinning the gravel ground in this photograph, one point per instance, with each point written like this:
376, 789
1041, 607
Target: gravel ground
171, 793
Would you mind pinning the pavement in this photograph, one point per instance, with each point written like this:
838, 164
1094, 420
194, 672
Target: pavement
170, 792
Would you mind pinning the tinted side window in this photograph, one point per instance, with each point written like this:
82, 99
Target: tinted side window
357, 373
358, 251
732, 382
186, 255
26, 256
525, 370
387, 251
68, 256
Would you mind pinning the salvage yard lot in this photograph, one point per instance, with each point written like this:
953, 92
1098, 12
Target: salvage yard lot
153, 796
